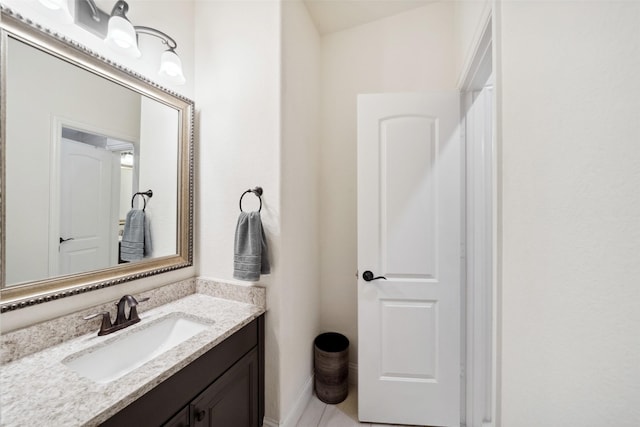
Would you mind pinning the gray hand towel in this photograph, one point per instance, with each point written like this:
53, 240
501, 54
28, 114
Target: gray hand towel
136, 237
251, 257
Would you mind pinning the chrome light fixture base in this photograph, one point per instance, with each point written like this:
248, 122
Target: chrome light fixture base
91, 18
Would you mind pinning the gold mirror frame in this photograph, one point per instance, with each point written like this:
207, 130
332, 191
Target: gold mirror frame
31, 293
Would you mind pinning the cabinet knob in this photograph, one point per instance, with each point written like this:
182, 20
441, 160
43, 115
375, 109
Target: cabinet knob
200, 415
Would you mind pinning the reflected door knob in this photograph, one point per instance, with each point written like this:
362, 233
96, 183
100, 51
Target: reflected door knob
368, 276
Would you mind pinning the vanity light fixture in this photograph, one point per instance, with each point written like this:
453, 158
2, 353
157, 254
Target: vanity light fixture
118, 33
121, 35
170, 63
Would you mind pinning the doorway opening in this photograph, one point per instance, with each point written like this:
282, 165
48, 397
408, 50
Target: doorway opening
93, 175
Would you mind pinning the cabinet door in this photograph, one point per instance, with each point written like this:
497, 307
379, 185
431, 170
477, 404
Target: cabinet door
232, 400
181, 419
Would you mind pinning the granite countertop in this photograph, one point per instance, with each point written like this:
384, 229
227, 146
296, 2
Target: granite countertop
40, 390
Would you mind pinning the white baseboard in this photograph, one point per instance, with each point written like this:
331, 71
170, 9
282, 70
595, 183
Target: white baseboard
291, 419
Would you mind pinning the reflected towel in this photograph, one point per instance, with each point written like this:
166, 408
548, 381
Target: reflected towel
136, 237
251, 257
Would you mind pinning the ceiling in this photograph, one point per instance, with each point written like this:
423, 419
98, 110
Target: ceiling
336, 15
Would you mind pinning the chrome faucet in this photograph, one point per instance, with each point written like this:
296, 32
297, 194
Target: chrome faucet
122, 321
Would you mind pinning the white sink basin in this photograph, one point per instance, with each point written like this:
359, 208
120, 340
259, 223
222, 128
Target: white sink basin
113, 359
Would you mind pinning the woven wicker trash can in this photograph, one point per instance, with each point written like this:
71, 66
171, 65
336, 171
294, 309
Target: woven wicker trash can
331, 367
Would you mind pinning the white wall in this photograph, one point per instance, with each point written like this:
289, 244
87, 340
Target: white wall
411, 51
237, 44
173, 17
569, 95
469, 18
257, 80
300, 308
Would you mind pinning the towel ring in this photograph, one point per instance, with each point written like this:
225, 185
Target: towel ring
147, 193
258, 192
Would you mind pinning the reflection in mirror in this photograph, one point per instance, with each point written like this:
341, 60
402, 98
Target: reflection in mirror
79, 139
66, 197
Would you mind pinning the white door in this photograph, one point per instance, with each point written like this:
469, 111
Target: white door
409, 231
86, 223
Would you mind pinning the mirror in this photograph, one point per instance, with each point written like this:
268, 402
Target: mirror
97, 170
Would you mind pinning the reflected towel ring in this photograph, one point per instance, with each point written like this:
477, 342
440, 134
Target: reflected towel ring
147, 193
258, 192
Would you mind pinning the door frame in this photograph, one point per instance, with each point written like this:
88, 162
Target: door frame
478, 332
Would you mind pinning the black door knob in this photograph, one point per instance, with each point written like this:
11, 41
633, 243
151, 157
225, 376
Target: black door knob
368, 276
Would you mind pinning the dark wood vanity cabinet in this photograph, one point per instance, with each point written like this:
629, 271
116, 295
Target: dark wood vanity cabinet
223, 387
232, 399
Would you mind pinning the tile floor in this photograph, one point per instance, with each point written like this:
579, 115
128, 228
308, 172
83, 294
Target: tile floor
345, 414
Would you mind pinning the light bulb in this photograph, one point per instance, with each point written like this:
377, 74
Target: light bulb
122, 37
171, 67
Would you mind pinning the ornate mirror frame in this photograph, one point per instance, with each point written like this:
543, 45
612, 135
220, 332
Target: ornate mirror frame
31, 293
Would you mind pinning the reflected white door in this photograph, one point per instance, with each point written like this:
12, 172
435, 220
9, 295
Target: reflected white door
86, 185
409, 231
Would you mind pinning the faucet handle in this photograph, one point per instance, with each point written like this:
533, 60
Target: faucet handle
106, 321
